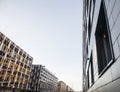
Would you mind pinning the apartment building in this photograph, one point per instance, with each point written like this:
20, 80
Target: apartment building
63, 87
101, 45
42, 80
15, 65
69, 89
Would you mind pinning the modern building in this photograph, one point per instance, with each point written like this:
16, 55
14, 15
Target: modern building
42, 80
15, 65
101, 45
69, 89
63, 87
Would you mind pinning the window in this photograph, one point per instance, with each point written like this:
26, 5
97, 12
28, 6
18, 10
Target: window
90, 72
1, 38
94, 1
90, 17
2, 53
103, 42
91, 69
92, 10
16, 49
87, 77
89, 28
87, 48
87, 2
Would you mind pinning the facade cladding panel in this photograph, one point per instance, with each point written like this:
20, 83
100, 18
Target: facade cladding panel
101, 45
42, 80
15, 65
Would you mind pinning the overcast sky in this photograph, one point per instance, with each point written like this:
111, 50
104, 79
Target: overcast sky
50, 31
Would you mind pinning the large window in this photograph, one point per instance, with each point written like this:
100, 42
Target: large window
103, 42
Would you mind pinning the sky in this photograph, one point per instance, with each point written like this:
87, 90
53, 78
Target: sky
50, 31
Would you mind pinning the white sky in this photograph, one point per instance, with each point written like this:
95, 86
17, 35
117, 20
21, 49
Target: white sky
50, 31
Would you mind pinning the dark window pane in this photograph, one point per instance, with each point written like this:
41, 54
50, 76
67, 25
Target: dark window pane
104, 52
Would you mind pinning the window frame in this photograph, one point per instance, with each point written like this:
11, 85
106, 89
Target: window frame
100, 73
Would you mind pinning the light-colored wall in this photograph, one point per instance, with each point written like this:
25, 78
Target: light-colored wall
110, 80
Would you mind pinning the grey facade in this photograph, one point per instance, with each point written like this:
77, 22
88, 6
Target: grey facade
101, 45
42, 80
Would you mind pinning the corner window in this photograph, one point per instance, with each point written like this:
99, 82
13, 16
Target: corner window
103, 41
